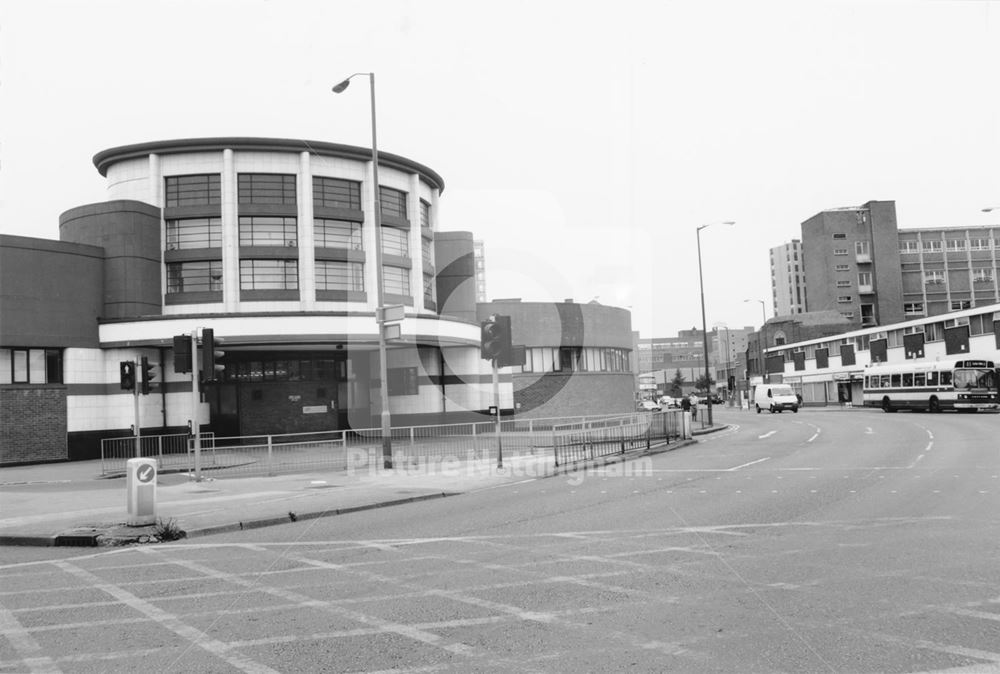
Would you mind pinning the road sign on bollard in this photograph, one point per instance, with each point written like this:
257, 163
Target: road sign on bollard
140, 482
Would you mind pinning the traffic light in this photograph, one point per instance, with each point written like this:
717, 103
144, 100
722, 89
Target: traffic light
147, 374
182, 353
495, 339
209, 354
126, 369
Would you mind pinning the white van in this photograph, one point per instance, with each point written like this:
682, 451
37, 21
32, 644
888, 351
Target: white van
775, 397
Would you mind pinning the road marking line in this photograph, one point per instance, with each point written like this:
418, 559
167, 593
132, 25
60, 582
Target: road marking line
29, 650
168, 620
747, 464
816, 435
766, 435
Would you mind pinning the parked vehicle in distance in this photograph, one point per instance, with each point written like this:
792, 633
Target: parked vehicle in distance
648, 406
775, 398
670, 403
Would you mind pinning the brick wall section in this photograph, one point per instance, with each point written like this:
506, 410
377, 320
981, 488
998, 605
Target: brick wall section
568, 395
32, 424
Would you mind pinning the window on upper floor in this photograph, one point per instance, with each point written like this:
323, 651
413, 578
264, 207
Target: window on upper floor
395, 241
842, 267
840, 236
909, 246
31, 366
931, 245
337, 234
913, 309
843, 284
266, 189
193, 190
194, 233
393, 202
396, 280
958, 305
982, 275
844, 299
333, 275
862, 248
956, 245
427, 252
269, 274
425, 214
194, 277
336, 193
865, 279
934, 278
265, 230
840, 251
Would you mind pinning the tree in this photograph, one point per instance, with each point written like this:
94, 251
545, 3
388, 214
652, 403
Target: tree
676, 385
700, 383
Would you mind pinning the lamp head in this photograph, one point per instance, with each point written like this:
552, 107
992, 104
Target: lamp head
340, 87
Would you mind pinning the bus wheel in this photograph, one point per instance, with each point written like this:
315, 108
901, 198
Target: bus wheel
934, 406
758, 408
886, 405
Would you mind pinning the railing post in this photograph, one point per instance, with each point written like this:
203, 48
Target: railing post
159, 451
270, 456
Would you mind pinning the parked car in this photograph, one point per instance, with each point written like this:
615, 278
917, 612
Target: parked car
648, 406
670, 403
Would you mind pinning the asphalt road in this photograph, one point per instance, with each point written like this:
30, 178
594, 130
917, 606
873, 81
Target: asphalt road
812, 542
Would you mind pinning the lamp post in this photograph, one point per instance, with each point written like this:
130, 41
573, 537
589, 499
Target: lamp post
704, 325
383, 367
761, 339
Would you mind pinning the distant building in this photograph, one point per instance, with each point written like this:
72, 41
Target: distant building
578, 357
830, 369
480, 252
859, 264
788, 279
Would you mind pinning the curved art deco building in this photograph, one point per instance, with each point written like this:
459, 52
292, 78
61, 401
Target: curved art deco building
271, 243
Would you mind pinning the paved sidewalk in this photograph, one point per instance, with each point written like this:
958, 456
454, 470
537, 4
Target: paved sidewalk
72, 504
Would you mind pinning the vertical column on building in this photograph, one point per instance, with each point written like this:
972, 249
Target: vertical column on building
307, 247
434, 229
156, 198
996, 267
416, 245
923, 274
230, 234
368, 236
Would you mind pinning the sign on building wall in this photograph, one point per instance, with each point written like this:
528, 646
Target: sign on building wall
913, 345
822, 358
879, 350
956, 340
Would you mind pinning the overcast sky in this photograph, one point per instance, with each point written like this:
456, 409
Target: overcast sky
583, 141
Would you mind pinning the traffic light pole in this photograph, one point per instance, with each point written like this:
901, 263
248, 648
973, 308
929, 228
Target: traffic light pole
135, 404
195, 400
496, 403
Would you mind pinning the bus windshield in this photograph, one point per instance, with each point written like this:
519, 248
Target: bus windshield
975, 378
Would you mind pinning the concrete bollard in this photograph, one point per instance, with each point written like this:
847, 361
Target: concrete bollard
140, 483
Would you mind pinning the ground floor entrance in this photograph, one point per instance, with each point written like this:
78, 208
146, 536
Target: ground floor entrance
276, 392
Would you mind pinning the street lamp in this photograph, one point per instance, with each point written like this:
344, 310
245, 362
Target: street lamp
991, 208
383, 367
761, 339
704, 325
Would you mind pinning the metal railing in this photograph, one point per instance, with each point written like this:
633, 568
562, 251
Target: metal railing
413, 447
170, 451
573, 443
